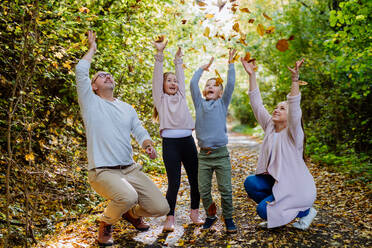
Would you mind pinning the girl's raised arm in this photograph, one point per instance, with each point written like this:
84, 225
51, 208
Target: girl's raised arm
157, 79
179, 71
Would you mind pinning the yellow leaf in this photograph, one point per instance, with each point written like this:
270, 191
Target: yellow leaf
267, 17
204, 48
201, 3
84, 10
261, 29
246, 10
236, 57
67, 65
270, 30
191, 37
209, 16
247, 56
206, 32
217, 73
30, 157
236, 27
242, 40
300, 82
160, 38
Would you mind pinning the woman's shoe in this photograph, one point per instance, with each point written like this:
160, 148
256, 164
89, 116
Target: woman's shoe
194, 216
305, 221
169, 224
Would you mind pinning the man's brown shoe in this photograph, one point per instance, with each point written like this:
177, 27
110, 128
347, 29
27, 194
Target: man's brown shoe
105, 234
138, 223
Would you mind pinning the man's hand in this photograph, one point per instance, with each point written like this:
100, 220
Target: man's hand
151, 152
92, 46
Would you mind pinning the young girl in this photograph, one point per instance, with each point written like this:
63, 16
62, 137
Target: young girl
282, 186
176, 125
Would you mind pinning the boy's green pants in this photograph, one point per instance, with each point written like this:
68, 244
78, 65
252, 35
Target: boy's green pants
217, 160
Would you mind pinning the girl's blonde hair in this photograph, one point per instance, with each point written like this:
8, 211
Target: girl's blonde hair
155, 113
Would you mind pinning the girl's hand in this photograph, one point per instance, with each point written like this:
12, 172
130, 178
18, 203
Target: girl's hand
206, 67
232, 53
151, 152
249, 67
296, 70
160, 46
179, 53
92, 41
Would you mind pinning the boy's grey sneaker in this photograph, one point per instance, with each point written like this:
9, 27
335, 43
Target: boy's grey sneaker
209, 222
230, 226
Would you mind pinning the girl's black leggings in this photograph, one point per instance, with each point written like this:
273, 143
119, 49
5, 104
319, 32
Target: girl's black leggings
175, 151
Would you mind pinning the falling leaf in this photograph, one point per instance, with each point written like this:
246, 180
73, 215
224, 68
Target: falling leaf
204, 48
251, 21
270, 30
184, 21
220, 4
217, 74
282, 45
245, 10
233, 9
206, 32
209, 16
84, 10
300, 82
160, 38
191, 37
184, 66
267, 17
201, 3
236, 57
247, 56
291, 37
30, 157
236, 27
242, 40
261, 29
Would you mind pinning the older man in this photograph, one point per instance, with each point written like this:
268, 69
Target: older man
112, 172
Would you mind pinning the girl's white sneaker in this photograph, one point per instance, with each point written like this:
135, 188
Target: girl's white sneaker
305, 221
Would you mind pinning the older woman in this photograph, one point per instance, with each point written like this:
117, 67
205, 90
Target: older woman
282, 185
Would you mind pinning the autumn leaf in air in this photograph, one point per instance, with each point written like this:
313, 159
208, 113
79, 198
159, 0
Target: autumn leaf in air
219, 80
184, 21
204, 48
201, 3
267, 17
160, 38
247, 56
220, 4
261, 29
236, 58
282, 45
209, 16
245, 10
291, 37
270, 30
300, 82
236, 27
242, 40
206, 32
251, 21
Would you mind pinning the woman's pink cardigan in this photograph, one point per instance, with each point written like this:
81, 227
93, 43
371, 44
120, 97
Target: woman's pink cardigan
294, 189
173, 110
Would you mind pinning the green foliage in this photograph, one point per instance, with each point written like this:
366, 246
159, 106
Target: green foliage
336, 103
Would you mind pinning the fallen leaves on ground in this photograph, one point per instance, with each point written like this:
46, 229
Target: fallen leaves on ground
343, 218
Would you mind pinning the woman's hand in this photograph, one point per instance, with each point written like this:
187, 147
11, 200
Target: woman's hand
92, 41
296, 70
179, 53
206, 67
249, 67
232, 53
160, 46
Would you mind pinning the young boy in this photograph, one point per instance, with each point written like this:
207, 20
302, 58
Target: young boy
210, 128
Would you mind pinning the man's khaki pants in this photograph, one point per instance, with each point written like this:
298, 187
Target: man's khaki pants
127, 188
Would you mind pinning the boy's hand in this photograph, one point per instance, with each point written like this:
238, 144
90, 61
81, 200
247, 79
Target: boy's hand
206, 67
151, 152
232, 53
179, 53
92, 41
160, 46
296, 70
249, 67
